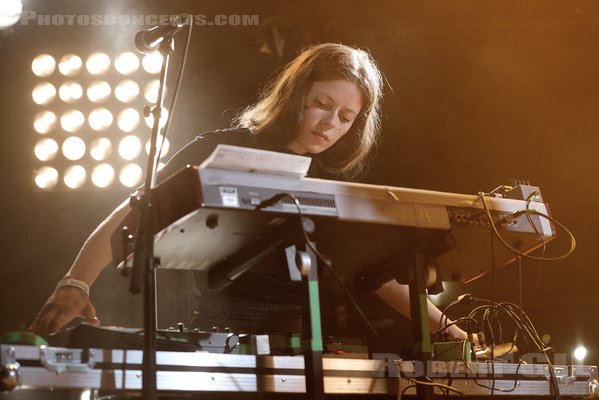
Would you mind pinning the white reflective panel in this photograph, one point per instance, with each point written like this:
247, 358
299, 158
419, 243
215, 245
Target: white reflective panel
72, 120
43, 65
45, 149
43, 93
126, 63
126, 91
70, 92
163, 118
73, 148
100, 119
97, 63
103, 175
98, 91
75, 176
165, 147
152, 63
151, 91
129, 147
44, 121
100, 149
128, 120
46, 177
70, 65
131, 175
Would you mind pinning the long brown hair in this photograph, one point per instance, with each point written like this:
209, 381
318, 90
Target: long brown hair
278, 115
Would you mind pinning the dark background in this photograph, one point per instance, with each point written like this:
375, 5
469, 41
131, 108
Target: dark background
478, 92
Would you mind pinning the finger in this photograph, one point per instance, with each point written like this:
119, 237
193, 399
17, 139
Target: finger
89, 312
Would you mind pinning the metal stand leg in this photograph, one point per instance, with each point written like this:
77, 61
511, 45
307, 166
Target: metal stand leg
311, 323
421, 341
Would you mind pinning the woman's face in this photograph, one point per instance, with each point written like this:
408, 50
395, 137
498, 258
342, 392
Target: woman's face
330, 109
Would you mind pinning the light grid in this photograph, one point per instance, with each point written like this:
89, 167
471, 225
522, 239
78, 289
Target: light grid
88, 118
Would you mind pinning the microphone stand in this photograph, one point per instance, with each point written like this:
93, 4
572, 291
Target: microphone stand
143, 259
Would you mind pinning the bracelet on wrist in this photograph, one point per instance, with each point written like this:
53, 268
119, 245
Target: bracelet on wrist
75, 283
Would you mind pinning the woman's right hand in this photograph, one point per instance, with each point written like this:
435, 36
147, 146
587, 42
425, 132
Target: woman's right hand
64, 305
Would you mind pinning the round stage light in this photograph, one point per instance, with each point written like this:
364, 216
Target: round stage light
97, 63
46, 177
103, 175
72, 120
44, 121
45, 149
100, 119
70, 65
70, 92
131, 175
43, 65
98, 91
151, 91
126, 63
152, 63
43, 93
129, 147
128, 120
10, 12
580, 353
126, 91
75, 176
73, 148
100, 149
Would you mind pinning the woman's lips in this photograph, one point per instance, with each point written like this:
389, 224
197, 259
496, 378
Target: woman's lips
320, 135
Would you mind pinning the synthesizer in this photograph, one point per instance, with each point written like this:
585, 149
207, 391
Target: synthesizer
207, 215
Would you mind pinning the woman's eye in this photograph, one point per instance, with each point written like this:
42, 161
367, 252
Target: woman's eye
321, 104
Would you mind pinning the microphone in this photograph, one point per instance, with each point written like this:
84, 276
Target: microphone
148, 40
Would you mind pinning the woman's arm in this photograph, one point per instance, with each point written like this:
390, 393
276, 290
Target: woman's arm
398, 297
69, 302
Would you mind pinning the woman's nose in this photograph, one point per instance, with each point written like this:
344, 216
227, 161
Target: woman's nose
329, 119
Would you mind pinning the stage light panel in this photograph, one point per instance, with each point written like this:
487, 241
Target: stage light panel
73, 94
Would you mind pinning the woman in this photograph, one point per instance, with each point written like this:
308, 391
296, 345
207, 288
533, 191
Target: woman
325, 104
